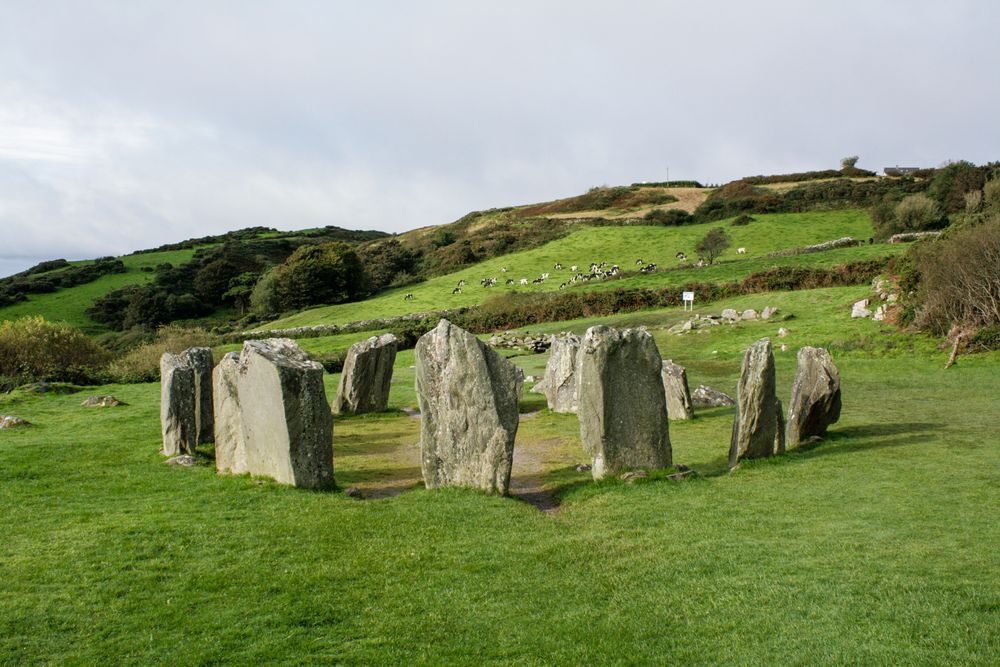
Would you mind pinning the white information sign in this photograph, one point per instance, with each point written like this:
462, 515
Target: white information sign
688, 298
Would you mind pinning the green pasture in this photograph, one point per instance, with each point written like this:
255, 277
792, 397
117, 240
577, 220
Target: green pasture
879, 545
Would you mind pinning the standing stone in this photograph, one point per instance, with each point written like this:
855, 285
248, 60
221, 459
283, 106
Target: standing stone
622, 403
468, 396
230, 449
200, 358
758, 426
560, 386
816, 399
287, 424
675, 385
364, 383
178, 405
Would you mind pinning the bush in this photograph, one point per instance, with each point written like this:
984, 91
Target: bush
674, 217
950, 183
918, 213
314, 274
142, 363
741, 220
34, 350
712, 245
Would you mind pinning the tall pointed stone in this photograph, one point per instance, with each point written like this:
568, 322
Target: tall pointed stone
622, 409
758, 428
200, 358
468, 398
675, 385
561, 380
178, 405
816, 400
230, 448
287, 424
364, 382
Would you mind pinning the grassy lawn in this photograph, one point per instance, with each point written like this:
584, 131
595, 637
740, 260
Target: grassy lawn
617, 245
879, 545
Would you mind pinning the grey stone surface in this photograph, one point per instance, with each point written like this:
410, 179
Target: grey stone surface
749, 314
860, 309
364, 382
178, 405
230, 448
758, 427
730, 314
287, 424
675, 385
706, 397
768, 312
816, 399
200, 359
101, 402
561, 378
622, 403
10, 421
468, 396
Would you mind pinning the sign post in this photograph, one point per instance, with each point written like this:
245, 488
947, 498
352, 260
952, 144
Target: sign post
688, 298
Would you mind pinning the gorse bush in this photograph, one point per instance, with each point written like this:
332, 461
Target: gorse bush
142, 363
34, 349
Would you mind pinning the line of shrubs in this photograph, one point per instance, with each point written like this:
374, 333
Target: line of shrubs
847, 172
39, 280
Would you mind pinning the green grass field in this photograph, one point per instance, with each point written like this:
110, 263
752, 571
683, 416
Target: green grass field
622, 246
879, 545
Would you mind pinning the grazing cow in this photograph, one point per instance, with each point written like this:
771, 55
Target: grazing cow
503, 269
408, 296
682, 257
461, 283
639, 262
741, 251
573, 268
562, 286
545, 276
457, 290
524, 281
558, 266
537, 281
510, 281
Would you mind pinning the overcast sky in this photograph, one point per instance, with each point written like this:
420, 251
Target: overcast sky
125, 125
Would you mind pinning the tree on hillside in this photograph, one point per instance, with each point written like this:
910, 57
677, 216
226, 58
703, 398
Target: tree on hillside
314, 274
848, 163
712, 245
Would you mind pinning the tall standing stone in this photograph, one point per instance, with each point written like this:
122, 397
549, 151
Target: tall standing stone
364, 383
675, 385
816, 398
287, 424
468, 410
623, 409
178, 405
200, 358
758, 428
561, 380
230, 449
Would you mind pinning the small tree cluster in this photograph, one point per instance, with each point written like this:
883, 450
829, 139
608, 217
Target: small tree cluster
712, 245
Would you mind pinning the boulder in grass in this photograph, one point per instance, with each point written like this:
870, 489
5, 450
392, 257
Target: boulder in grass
102, 402
860, 309
10, 421
816, 399
758, 427
706, 397
367, 373
675, 385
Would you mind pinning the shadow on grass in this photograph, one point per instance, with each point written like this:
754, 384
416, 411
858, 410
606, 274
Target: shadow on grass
867, 437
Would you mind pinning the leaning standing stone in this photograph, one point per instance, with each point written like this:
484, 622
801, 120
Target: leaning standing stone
200, 358
287, 424
623, 409
758, 428
815, 400
364, 383
230, 449
560, 373
178, 405
468, 410
675, 384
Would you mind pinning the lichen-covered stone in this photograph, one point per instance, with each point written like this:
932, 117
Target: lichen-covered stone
560, 373
178, 405
364, 382
816, 399
468, 398
200, 359
287, 424
622, 403
675, 385
758, 428
230, 448
706, 397
101, 402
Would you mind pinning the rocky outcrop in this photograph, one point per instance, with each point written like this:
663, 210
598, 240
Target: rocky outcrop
287, 424
230, 448
10, 421
178, 405
468, 397
102, 402
200, 359
706, 397
561, 379
364, 382
675, 385
622, 404
816, 400
860, 309
758, 428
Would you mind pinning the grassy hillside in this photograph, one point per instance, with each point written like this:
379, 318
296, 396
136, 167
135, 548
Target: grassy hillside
617, 245
877, 546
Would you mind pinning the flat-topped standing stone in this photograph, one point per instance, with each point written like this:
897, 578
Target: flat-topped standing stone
364, 383
178, 405
560, 373
622, 403
230, 449
675, 385
468, 410
816, 399
758, 428
200, 358
287, 424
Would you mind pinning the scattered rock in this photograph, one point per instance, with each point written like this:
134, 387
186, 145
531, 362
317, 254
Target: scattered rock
879, 314
230, 447
816, 399
768, 312
706, 397
178, 405
675, 386
353, 492
583, 467
102, 402
468, 398
783, 348
511, 340
782, 332
364, 382
10, 421
681, 475
185, 460
632, 475
860, 309
561, 378
730, 314
622, 403
758, 427
749, 314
